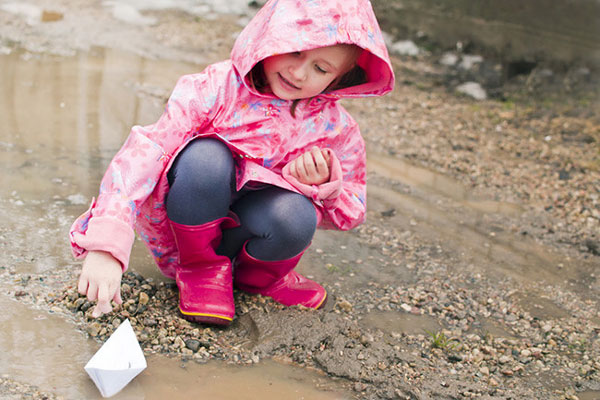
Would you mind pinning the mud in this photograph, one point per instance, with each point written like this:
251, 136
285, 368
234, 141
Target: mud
474, 275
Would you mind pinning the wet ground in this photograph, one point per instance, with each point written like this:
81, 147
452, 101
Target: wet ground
474, 276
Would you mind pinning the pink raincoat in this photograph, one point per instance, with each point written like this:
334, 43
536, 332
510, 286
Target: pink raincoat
259, 129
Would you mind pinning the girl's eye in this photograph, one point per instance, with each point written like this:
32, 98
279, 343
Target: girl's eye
321, 70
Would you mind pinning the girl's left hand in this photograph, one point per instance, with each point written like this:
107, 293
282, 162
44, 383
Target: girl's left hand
312, 167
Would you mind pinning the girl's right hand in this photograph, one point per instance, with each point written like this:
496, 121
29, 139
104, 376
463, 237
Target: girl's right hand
312, 167
100, 280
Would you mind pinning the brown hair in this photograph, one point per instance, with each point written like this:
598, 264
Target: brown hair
356, 76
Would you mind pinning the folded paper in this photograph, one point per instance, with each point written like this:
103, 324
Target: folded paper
119, 360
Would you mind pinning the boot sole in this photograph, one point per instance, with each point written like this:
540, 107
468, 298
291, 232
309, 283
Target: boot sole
323, 302
206, 318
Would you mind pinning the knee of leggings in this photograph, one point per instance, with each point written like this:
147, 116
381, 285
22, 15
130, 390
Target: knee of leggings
294, 219
206, 158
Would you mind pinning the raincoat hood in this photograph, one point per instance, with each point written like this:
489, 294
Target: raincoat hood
284, 26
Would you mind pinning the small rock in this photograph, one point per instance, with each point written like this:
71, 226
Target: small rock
593, 246
144, 298
449, 59
344, 305
472, 89
504, 359
51, 16
455, 358
125, 288
366, 339
405, 48
94, 329
192, 344
179, 343
468, 61
79, 303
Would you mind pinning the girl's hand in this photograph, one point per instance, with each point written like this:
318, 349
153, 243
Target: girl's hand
312, 167
100, 280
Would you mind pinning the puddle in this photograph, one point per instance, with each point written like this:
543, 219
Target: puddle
478, 241
395, 322
491, 328
48, 352
539, 306
431, 181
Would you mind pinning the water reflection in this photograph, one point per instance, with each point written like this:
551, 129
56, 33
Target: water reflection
64, 118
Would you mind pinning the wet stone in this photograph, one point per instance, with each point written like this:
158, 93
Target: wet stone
143, 299
94, 329
79, 303
192, 344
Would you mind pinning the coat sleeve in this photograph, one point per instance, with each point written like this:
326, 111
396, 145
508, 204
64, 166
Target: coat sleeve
340, 202
135, 170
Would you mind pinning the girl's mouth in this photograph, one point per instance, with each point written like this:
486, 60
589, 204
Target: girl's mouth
287, 83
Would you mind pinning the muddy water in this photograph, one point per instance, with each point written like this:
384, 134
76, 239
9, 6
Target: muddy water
63, 120
444, 207
46, 351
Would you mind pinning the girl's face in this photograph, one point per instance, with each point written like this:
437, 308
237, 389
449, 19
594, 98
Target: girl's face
305, 74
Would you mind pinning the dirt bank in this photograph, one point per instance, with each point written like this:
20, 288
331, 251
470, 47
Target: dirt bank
475, 275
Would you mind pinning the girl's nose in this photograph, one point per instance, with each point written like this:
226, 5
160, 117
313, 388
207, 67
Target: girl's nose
298, 71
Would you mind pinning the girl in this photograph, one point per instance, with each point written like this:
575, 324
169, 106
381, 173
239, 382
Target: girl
249, 157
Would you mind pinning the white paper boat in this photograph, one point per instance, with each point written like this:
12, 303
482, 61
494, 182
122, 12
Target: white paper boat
119, 360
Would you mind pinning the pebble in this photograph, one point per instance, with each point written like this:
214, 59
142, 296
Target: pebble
94, 329
143, 298
504, 359
344, 305
192, 344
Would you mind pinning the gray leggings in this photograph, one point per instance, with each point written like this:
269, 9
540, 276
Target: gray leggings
278, 224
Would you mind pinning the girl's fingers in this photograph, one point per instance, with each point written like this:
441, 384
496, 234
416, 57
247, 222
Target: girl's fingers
114, 291
82, 285
293, 171
103, 296
327, 157
92, 292
320, 163
300, 169
309, 165
117, 297
103, 305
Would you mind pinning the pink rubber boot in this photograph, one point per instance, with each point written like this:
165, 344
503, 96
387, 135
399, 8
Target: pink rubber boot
203, 277
278, 280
